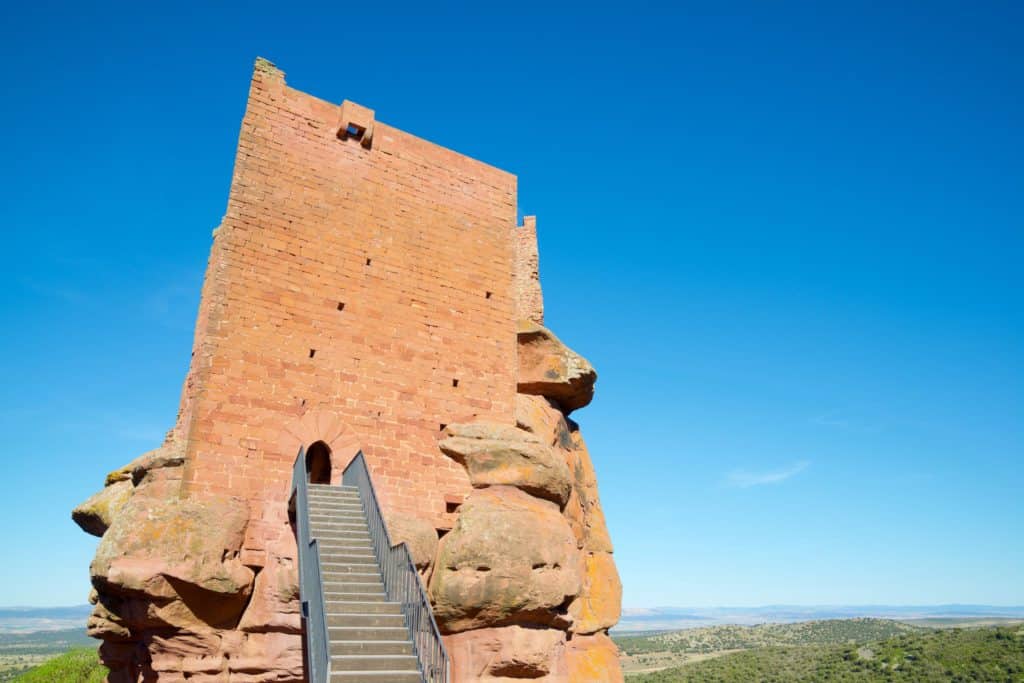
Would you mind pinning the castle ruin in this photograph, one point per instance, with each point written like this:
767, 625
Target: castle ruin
366, 291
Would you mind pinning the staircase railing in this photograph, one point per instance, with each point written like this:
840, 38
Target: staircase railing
311, 586
401, 580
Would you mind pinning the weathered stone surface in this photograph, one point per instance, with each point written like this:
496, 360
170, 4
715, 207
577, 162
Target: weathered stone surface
590, 518
510, 652
274, 605
547, 367
593, 659
106, 625
169, 454
525, 464
488, 430
541, 418
97, 513
181, 554
418, 534
511, 558
599, 604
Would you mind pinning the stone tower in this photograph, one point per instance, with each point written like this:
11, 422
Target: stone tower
366, 290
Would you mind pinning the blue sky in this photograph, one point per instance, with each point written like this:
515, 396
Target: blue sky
788, 236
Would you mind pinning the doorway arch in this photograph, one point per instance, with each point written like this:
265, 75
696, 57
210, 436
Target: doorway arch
318, 463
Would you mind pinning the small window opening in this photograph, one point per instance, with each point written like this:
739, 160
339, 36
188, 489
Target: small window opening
354, 131
312, 352
487, 295
368, 261
450, 507
443, 425
455, 383
341, 305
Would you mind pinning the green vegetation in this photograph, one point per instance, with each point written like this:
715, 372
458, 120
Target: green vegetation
80, 665
21, 652
651, 652
920, 656
718, 638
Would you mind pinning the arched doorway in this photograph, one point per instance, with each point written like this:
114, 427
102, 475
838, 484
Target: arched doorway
318, 463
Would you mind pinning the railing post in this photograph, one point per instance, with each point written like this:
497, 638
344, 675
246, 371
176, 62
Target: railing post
311, 589
401, 580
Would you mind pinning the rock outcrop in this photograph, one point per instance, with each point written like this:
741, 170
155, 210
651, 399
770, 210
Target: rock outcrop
173, 599
525, 584
549, 368
509, 559
512, 457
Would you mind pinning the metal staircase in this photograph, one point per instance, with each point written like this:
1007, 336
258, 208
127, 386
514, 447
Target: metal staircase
365, 614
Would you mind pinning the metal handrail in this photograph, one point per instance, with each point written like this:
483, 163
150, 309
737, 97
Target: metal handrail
311, 586
401, 580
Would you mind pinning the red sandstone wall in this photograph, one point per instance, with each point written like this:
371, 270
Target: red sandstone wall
529, 300
416, 241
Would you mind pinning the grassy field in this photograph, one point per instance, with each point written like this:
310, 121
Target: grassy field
79, 665
650, 652
20, 652
977, 655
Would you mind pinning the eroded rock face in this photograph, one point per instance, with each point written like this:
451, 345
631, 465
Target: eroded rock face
274, 605
547, 367
599, 604
97, 513
178, 548
510, 457
510, 559
501, 587
173, 599
593, 659
511, 652
419, 535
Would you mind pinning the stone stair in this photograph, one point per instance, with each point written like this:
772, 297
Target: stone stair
369, 640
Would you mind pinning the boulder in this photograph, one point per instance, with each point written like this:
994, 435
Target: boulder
509, 652
541, 418
549, 368
599, 604
511, 558
593, 659
182, 555
97, 513
526, 464
419, 535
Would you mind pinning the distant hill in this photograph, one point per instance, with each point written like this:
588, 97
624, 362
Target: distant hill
717, 638
667, 618
30, 619
979, 655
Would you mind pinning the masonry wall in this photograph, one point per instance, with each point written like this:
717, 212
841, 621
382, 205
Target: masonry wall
360, 294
